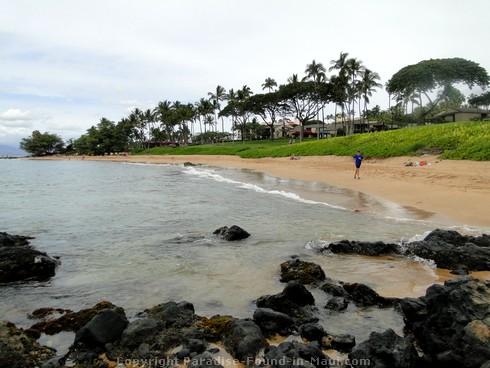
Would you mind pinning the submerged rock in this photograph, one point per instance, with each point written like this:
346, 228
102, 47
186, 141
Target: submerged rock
20, 261
231, 233
364, 248
305, 272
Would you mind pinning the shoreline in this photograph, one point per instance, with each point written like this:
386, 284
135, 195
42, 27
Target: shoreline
455, 191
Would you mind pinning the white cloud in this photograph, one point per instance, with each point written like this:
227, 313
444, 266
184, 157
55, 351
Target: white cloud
16, 115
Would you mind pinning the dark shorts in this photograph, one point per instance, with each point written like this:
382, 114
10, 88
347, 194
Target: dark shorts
358, 166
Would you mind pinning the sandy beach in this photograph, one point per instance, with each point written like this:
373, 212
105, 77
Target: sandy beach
457, 191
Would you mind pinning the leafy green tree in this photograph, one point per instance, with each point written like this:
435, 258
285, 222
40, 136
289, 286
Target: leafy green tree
304, 100
268, 106
482, 100
429, 75
42, 144
451, 98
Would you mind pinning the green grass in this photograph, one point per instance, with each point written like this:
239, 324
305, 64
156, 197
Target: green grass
453, 141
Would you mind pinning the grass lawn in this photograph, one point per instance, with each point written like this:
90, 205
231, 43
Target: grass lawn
454, 141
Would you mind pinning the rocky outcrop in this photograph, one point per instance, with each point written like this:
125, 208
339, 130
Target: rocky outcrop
20, 261
307, 273
272, 322
296, 354
451, 323
107, 326
364, 248
447, 248
451, 250
231, 233
361, 295
20, 350
384, 350
69, 321
290, 301
244, 340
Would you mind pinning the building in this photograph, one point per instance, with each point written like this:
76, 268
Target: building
462, 114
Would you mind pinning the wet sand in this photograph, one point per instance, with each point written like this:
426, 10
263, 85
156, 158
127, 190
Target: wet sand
456, 191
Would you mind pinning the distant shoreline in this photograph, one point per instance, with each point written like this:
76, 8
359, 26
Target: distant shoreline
457, 191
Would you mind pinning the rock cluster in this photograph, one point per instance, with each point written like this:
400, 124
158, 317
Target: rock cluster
19, 261
448, 327
447, 248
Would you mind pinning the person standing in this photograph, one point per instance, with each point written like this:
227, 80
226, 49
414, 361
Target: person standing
358, 160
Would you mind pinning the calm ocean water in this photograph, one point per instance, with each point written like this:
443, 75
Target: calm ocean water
139, 235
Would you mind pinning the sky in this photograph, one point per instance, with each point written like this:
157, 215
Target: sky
65, 64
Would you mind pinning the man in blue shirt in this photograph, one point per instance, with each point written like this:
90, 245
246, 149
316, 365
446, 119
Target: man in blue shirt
358, 160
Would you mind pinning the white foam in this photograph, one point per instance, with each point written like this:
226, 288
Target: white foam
210, 174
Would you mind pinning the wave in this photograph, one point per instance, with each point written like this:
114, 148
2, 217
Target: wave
212, 175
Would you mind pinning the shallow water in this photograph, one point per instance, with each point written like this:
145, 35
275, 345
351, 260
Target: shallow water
139, 235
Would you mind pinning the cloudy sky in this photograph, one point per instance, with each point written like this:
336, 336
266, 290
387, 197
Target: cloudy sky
64, 64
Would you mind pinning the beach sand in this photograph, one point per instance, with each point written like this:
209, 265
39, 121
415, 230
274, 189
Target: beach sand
456, 191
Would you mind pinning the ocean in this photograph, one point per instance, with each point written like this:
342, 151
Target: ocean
142, 234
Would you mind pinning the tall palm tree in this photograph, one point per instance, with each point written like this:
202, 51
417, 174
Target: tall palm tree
216, 97
269, 84
231, 98
204, 108
369, 82
163, 112
354, 68
293, 79
315, 71
242, 95
341, 83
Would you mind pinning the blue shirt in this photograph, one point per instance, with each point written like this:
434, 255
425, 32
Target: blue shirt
358, 159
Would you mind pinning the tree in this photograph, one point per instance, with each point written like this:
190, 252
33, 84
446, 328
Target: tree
268, 106
429, 75
42, 144
369, 82
480, 101
216, 97
315, 72
269, 84
305, 99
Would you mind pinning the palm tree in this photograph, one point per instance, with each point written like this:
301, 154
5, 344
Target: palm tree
269, 84
339, 64
369, 83
341, 83
241, 95
231, 98
163, 112
315, 72
204, 108
293, 79
215, 97
353, 67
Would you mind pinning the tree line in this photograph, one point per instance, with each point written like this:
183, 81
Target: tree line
304, 99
